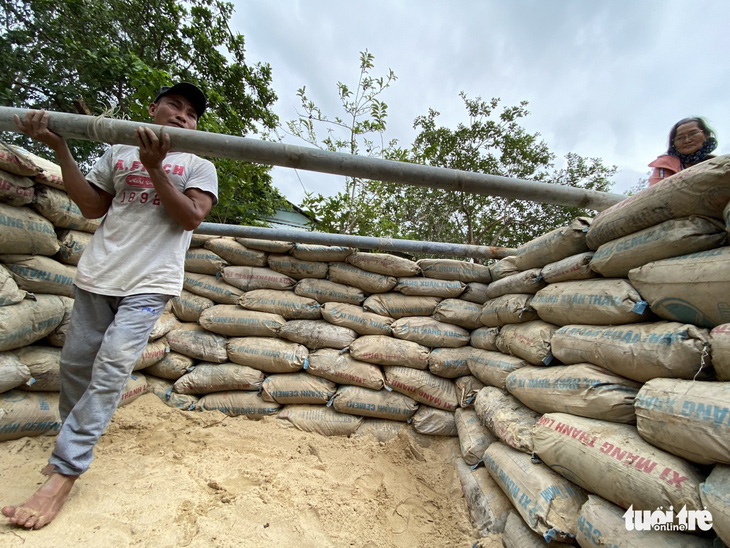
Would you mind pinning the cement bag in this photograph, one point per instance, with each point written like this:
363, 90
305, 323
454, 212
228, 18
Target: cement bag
429, 287
452, 269
23, 231
693, 288
44, 365
15, 190
205, 378
249, 278
322, 253
38, 274
10, 293
235, 253
234, 321
198, 240
319, 420
529, 341
671, 238
237, 403
529, 281
188, 306
584, 390
484, 338
602, 523
510, 308
57, 337
422, 386
50, 173
575, 267
342, 368
389, 351
720, 350
493, 368
518, 535
613, 461
430, 332
28, 414
398, 306
316, 334
503, 268
384, 263
458, 312
57, 206
381, 430
16, 161
296, 268
267, 354
355, 317
466, 389
324, 291
297, 388
430, 421
72, 244
475, 292
211, 287
164, 324
136, 386
715, 495
194, 341
554, 246
548, 503
687, 418
152, 353
172, 366
30, 320
13, 372
594, 302
284, 303
702, 189
204, 261
270, 246
370, 282
640, 351
450, 363
487, 504
474, 437
506, 417
162, 388
379, 404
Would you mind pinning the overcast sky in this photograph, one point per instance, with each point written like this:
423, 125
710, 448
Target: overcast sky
603, 79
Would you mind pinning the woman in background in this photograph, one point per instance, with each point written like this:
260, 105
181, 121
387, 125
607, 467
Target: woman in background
691, 141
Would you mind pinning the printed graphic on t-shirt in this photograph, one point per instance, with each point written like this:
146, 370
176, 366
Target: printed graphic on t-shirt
142, 181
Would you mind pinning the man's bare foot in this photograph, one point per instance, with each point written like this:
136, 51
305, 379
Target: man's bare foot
48, 469
43, 505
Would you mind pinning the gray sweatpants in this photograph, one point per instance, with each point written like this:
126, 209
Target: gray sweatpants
105, 338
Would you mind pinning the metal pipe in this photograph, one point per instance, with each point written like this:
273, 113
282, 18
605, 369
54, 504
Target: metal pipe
361, 242
108, 130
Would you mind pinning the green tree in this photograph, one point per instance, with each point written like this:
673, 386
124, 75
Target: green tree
95, 57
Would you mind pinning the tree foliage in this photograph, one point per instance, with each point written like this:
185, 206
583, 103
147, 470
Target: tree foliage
96, 57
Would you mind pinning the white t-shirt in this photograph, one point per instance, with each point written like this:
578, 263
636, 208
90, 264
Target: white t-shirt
139, 248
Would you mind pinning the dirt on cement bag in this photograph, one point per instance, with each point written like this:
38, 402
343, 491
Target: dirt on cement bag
171, 367
693, 288
703, 189
492, 367
237, 403
593, 302
205, 378
690, 419
384, 350
528, 282
198, 240
38, 274
510, 308
715, 495
370, 282
28, 414
50, 173
342, 368
44, 363
23, 231
548, 503
204, 261
459, 312
585, 390
297, 388
249, 278
529, 341
430, 287
270, 246
57, 337
15, 190
575, 267
30, 320
319, 419
466, 389
57, 207
13, 373
162, 388
315, 334
506, 417
475, 292
285, 303
398, 306
382, 430
384, 263
235, 253
378, 404
10, 293
613, 461
671, 238
430, 332
518, 535
72, 244
474, 437
430, 421
234, 321
601, 523
324, 291
355, 317
422, 386
17, 161
554, 245
488, 505
195, 341
641, 351
188, 306
484, 338
450, 363
267, 354
503, 268
297, 268
720, 351
452, 269
164, 324
212, 287
322, 253
153, 352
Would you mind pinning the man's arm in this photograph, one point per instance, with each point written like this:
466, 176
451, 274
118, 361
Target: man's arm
92, 201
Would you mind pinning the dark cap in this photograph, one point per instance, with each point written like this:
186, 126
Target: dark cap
185, 89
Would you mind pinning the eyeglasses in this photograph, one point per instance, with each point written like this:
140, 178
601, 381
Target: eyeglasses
688, 136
